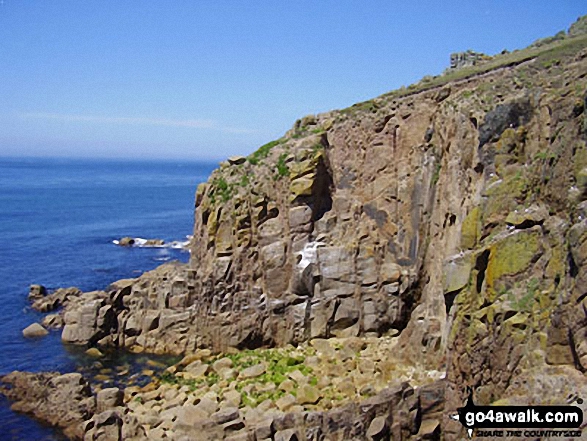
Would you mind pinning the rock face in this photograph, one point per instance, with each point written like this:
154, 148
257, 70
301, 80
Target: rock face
452, 214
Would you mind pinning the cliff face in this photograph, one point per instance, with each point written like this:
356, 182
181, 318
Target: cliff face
401, 213
454, 216
451, 213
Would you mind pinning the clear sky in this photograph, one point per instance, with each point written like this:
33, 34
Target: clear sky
211, 78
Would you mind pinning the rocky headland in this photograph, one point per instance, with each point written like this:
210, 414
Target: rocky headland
351, 279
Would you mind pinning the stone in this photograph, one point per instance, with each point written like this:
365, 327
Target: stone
232, 397
126, 241
33, 331
252, 371
263, 429
188, 415
94, 352
286, 435
378, 428
52, 321
347, 314
108, 398
528, 217
285, 402
237, 160
197, 369
225, 415
287, 385
429, 430
207, 405
36, 292
297, 376
222, 364
512, 255
457, 273
308, 394
301, 187
390, 272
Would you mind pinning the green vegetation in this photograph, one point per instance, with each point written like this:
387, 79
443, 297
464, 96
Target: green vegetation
365, 106
547, 53
524, 303
245, 180
552, 54
277, 367
436, 174
545, 155
263, 151
222, 189
282, 168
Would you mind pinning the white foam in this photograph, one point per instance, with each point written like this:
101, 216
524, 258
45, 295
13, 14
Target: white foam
139, 241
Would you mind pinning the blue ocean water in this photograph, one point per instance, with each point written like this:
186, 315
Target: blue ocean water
58, 218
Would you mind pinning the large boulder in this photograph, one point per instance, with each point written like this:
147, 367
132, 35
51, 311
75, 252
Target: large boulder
34, 330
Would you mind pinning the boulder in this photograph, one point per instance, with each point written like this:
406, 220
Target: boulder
237, 160
126, 241
308, 394
36, 292
34, 330
109, 398
253, 371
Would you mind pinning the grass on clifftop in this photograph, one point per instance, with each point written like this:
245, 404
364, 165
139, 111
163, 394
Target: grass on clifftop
263, 151
548, 52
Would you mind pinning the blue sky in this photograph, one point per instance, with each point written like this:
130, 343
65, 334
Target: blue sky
201, 79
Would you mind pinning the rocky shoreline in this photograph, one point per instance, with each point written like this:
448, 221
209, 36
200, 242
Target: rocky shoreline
345, 388
352, 279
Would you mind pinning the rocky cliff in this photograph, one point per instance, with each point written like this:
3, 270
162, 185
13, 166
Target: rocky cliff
451, 214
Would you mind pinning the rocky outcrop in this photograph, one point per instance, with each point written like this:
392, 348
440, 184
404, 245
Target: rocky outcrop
64, 401
150, 243
335, 389
44, 302
467, 58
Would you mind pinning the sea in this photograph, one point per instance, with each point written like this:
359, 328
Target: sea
59, 219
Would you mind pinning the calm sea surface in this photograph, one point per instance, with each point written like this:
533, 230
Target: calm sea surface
58, 218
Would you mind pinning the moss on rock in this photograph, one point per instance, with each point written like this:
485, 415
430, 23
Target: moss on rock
471, 229
512, 255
